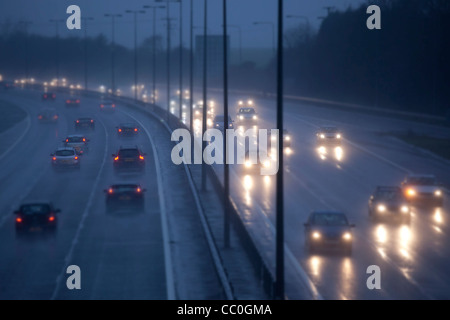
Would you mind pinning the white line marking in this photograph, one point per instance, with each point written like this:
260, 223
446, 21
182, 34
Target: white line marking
170, 284
83, 218
19, 139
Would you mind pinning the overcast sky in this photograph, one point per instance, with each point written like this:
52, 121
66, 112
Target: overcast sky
240, 12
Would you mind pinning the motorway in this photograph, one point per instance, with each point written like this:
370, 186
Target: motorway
413, 259
123, 254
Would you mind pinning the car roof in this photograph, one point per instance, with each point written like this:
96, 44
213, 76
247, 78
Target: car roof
75, 136
85, 118
128, 147
130, 185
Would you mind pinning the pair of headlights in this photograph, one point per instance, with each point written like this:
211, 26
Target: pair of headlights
346, 235
382, 208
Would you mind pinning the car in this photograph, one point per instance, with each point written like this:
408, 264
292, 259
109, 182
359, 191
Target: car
328, 230
46, 96
48, 115
253, 164
78, 142
287, 138
247, 116
65, 157
84, 123
423, 189
72, 102
129, 158
118, 195
108, 106
36, 216
198, 111
219, 122
329, 136
8, 85
127, 130
389, 203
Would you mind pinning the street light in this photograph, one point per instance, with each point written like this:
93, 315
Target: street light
113, 77
56, 22
273, 30
154, 48
85, 19
135, 13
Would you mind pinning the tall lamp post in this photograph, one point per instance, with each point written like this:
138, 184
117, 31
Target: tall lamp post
154, 7
85, 19
279, 238
271, 24
113, 45
27, 56
135, 13
191, 67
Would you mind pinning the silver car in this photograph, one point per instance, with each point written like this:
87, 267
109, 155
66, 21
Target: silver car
65, 157
78, 142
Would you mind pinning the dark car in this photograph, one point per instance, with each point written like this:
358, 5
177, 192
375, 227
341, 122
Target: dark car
287, 138
39, 216
84, 123
219, 122
129, 158
423, 189
48, 115
127, 130
329, 136
247, 116
46, 96
389, 203
72, 102
78, 142
328, 229
108, 106
119, 195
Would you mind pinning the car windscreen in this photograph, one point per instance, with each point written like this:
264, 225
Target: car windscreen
389, 195
247, 111
74, 139
329, 219
422, 181
129, 153
65, 153
221, 119
329, 129
125, 188
84, 119
127, 125
35, 209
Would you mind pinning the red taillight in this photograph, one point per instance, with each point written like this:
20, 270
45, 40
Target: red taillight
76, 158
54, 158
78, 101
45, 96
67, 101
120, 130
84, 139
138, 190
116, 158
53, 96
110, 190
78, 121
141, 157
55, 116
92, 121
101, 106
39, 117
67, 140
113, 105
135, 129
52, 218
18, 219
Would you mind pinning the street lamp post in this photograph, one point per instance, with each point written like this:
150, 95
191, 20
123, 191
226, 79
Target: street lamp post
293, 16
279, 254
85, 19
273, 30
135, 13
191, 67
27, 56
153, 7
113, 77
180, 107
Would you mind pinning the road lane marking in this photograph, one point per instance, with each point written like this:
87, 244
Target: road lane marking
28, 120
83, 218
170, 283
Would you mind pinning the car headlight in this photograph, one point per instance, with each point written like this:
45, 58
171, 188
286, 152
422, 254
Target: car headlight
248, 164
266, 164
322, 136
217, 124
287, 138
438, 193
411, 192
316, 235
241, 117
381, 208
255, 117
338, 136
404, 209
322, 150
197, 113
347, 236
